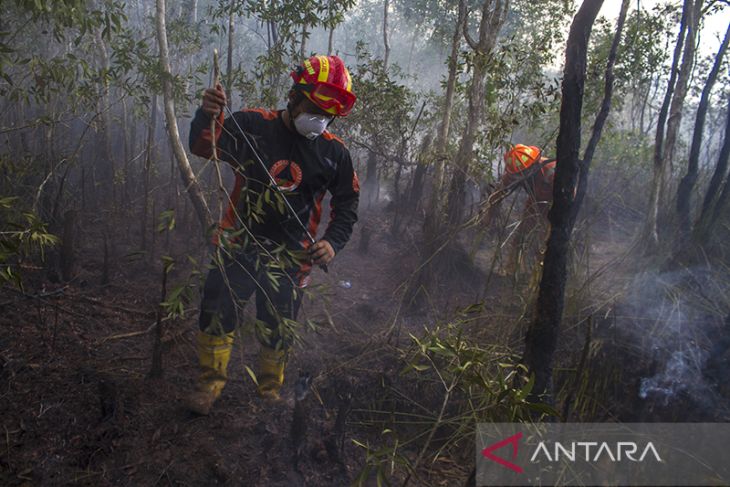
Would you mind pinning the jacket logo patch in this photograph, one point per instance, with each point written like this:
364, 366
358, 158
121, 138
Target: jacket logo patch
287, 174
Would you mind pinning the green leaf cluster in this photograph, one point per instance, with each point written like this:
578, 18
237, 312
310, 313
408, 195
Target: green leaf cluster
22, 236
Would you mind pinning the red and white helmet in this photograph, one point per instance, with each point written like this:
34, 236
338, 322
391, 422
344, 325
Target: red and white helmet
520, 157
326, 83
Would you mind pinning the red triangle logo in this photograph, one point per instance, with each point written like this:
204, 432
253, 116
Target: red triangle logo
514, 441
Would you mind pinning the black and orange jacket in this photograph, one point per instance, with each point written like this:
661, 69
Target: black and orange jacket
303, 169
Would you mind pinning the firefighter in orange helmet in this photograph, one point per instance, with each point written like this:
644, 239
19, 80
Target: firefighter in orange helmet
305, 161
526, 167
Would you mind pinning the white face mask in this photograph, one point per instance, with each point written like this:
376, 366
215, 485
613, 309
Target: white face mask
311, 126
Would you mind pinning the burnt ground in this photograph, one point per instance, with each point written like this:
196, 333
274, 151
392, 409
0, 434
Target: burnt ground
77, 407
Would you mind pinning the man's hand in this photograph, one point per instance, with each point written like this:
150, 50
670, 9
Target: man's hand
214, 99
321, 252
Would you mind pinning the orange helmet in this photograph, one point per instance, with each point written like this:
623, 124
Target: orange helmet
520, 157
326, 82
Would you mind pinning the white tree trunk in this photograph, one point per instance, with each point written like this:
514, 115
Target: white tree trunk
183, 164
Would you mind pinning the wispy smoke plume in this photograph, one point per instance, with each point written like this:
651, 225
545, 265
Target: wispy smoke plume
675, 317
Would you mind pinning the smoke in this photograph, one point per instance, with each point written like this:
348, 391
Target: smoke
682, 373
675, 317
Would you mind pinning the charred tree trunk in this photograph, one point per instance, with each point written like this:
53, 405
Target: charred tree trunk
604, 110
542, 335
715, 198
494, 13
662, 149
188, 176
684, 192
722, 201
156, 370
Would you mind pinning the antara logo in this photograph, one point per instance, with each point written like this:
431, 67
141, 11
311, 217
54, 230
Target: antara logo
593, 451
584, 451
513, 440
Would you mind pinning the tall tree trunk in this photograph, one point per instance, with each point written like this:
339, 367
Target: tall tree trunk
128, 149
433, 231
330, 39
432, 213
443, 133
605, 106
651, 235
386, 44
684, 192
147, 169
108, 166
186, 172
303, 44
723, 201
419, 175
229, 55
193, 12
542, 335
714, 198
331, 36
466, 147
494, 13
680, 93
398, 195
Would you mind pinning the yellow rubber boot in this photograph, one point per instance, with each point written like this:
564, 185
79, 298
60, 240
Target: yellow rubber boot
214, 352
271, 372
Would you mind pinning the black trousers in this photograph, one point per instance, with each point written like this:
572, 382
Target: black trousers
231, 283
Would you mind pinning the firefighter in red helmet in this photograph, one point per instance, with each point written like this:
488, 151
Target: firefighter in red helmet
305, 161
526, 167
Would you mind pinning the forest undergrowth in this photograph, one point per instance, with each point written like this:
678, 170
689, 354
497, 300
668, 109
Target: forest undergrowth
396, 391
